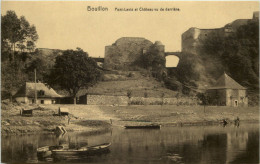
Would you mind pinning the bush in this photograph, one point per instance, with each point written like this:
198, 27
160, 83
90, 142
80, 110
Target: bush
129, 94
156, 103
145, 94
137, 102
253, 99
130, 74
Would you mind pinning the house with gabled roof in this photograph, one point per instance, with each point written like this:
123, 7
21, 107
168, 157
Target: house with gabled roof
45, 94
227, 92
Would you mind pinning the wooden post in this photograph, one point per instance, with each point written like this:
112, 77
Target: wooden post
35, 89
68, 120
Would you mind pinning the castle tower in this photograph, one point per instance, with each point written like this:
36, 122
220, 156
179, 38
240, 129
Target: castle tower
160, 47
256, 15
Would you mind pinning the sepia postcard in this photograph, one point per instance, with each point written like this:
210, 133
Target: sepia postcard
123, 82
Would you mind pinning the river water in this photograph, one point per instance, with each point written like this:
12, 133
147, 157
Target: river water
194, 144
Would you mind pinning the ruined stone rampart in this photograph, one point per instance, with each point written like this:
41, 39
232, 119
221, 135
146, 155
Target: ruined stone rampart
125, 51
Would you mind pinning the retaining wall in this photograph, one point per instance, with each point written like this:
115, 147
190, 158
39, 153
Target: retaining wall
124, 100
106, 100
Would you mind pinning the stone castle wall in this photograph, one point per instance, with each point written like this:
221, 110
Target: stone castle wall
125, 51
124, 100
194, 37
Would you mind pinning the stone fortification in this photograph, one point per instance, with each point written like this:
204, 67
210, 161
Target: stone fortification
194, 37
126, 51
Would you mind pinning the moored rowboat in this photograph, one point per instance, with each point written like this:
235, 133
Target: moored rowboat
144, 127
45, 151
90, 150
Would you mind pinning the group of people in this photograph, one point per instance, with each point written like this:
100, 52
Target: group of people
236, 121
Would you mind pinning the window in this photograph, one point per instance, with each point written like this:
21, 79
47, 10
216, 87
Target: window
242, 99
42, 101
41, 93
236, 103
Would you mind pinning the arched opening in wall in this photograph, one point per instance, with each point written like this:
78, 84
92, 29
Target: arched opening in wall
235, 103
172, 61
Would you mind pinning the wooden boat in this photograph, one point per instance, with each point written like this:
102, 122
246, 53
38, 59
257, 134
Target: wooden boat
90, 150
144, 127
45, 151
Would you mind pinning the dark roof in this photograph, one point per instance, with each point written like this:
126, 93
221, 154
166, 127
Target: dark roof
226, 82
28, 90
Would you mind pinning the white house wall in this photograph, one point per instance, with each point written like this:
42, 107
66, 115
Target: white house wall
46, 101
22, 99
30, 100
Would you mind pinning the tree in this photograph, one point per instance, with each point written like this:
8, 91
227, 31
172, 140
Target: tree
154, 61
153, 58
162, 96
17, 30
189, 69
21, 46
74, 70
40, 65
238, 52
12, 78
204, 98
129, 95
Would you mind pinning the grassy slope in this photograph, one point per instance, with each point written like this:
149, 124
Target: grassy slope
139, 83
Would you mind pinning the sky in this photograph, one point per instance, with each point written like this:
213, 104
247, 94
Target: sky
67, 25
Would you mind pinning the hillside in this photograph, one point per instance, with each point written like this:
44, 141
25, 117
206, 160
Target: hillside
236, 53
48, 54
139, 83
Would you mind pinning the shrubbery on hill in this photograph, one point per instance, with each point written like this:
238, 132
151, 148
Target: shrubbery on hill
154, 62
238, 53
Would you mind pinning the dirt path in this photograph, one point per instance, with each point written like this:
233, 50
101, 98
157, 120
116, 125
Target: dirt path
86, 112
86, 117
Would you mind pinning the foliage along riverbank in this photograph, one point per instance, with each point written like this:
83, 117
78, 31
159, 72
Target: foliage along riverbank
94, 119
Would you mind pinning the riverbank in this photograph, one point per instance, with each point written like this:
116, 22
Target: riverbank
45, 120
97, 119
172, 115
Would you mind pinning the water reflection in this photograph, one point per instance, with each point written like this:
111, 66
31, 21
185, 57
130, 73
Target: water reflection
208, 144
